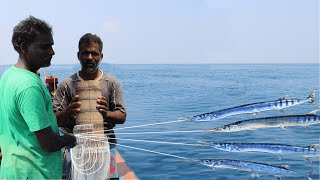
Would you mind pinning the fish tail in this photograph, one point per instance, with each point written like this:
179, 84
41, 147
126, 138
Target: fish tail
309, 175
312, 97
314, 145
308, 159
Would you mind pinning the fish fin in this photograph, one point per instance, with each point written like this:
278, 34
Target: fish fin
278, 177
313, 112
308, 159
255, 114
284, 127
284, 97
282, 110
285, 166
254, 174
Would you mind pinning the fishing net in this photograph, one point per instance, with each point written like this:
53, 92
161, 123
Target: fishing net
91, 157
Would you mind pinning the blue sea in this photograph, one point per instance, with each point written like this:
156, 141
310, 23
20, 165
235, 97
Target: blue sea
161, 94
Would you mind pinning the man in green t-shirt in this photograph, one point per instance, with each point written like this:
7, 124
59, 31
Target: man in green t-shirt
29, 135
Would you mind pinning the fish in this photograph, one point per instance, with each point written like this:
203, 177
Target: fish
264, 147
247, 166
270, 122
252, 108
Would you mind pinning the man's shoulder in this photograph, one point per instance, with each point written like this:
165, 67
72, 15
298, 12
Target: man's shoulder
70, 79
108, 77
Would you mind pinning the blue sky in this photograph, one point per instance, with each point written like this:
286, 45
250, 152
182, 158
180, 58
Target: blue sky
175, 31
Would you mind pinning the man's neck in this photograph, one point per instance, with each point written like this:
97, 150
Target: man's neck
90, 76
23, 65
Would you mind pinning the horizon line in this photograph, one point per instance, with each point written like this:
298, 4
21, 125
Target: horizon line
181, 63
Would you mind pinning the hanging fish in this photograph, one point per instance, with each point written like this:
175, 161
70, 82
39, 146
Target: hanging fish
270, 122
254, 167
253, 108
264, 147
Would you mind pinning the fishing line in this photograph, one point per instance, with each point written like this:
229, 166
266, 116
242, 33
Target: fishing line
159, 142
141, 149
163, 132
149, 124
90, 158
87, 169
152, 132
155, 152
135, 126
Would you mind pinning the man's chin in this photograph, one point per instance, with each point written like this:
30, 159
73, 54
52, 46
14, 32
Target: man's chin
90, 70
47, 64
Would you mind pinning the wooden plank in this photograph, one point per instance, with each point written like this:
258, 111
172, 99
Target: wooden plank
124, 170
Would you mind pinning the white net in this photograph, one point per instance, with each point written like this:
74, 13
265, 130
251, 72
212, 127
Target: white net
91, 157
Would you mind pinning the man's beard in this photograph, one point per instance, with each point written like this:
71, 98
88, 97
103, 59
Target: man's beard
90, 68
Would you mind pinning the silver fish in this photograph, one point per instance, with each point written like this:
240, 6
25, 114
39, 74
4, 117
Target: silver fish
247, 166
264, 147
269, 122
253, 108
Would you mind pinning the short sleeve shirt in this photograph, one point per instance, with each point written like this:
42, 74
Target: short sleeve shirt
26, 107
111, 89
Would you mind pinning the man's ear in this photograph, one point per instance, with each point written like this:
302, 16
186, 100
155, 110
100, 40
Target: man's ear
23, 48
101, 55
78, 55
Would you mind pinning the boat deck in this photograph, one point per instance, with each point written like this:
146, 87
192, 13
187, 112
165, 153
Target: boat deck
124, 171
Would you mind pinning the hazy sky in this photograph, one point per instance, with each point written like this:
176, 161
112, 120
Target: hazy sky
174, 31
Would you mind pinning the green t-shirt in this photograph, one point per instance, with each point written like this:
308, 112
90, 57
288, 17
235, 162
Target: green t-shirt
26, 107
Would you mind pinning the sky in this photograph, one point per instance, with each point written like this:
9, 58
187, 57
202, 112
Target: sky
174, 31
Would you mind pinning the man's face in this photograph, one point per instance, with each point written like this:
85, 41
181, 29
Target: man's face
39, 53
90, 57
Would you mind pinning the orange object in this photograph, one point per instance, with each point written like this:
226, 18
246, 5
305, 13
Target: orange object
124, 170
52, 79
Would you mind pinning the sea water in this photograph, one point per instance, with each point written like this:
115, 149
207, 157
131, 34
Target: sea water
164, 93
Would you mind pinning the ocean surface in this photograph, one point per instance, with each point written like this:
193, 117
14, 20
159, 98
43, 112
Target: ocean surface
158, 95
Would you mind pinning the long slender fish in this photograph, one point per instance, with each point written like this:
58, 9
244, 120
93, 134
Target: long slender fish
264, 147
270, 122
247, 166
253, 108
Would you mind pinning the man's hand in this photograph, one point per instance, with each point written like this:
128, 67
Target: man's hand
69, 113
73, 109
70, 140
102, 106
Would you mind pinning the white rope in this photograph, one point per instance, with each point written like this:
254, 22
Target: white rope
171, 155
91, 157
137, 140
155, 152
159, 142
149, 124
106, 130
152, 132
163, 132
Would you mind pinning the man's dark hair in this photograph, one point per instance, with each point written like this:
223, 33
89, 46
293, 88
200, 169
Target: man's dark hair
90, 38
28, 30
